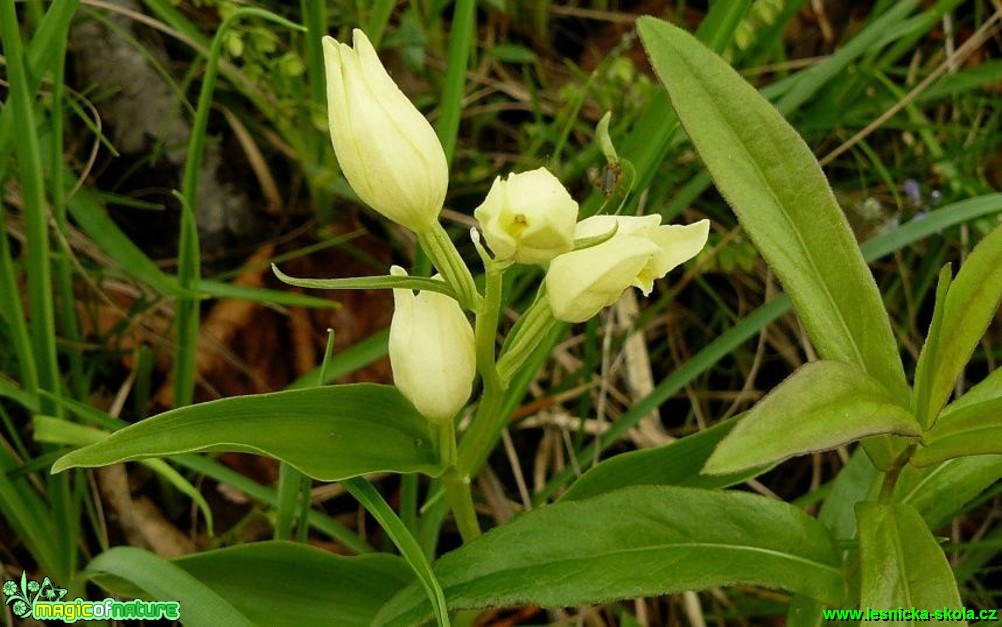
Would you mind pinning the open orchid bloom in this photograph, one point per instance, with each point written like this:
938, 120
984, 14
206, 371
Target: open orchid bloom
581, 283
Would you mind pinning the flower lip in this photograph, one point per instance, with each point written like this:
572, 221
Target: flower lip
581, 283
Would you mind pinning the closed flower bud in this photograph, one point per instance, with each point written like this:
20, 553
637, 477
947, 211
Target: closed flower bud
431, 351
528, 217
386, 149
580, 283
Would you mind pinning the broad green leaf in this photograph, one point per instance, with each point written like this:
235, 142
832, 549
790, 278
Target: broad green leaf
879, 246
971, 303
902, 564
972, 430
293, 584
822, 405
778, 191
215, 470
678, 463
329, 433
639, 541
161, 580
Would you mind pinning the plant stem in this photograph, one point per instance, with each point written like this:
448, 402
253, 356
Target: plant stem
189, 264
457, 492
489, 421
484, 430
439, 247
42, 329
534, 325
891, 478
289, 485
487, 326
457, 485
460, 45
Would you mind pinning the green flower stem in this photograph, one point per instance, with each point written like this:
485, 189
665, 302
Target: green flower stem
489, 421
457, 492
290, 482
436, 244
445, 442
483, 432
529, 334
535, 325
486, 327
457, 486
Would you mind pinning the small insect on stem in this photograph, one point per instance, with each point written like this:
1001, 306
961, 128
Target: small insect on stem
610, 178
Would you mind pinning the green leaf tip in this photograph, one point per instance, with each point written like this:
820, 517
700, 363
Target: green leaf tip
822, 405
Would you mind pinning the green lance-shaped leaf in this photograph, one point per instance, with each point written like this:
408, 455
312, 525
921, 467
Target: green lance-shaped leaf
822, 405
329, 433
902, 566
295, 584
926, 374
988, 389
975, 429
778, 191
368, 283
639, 541
678, 463
967, 426
970, 304
944, 491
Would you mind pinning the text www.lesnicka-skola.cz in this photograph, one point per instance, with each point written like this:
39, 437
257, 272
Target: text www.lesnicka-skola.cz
903, 613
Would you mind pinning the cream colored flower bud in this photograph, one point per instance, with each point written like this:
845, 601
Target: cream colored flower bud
528, 217
386, 149
580, 283
431, 351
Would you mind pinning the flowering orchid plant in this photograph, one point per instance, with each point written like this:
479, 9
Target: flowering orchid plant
390, 155
649, 522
